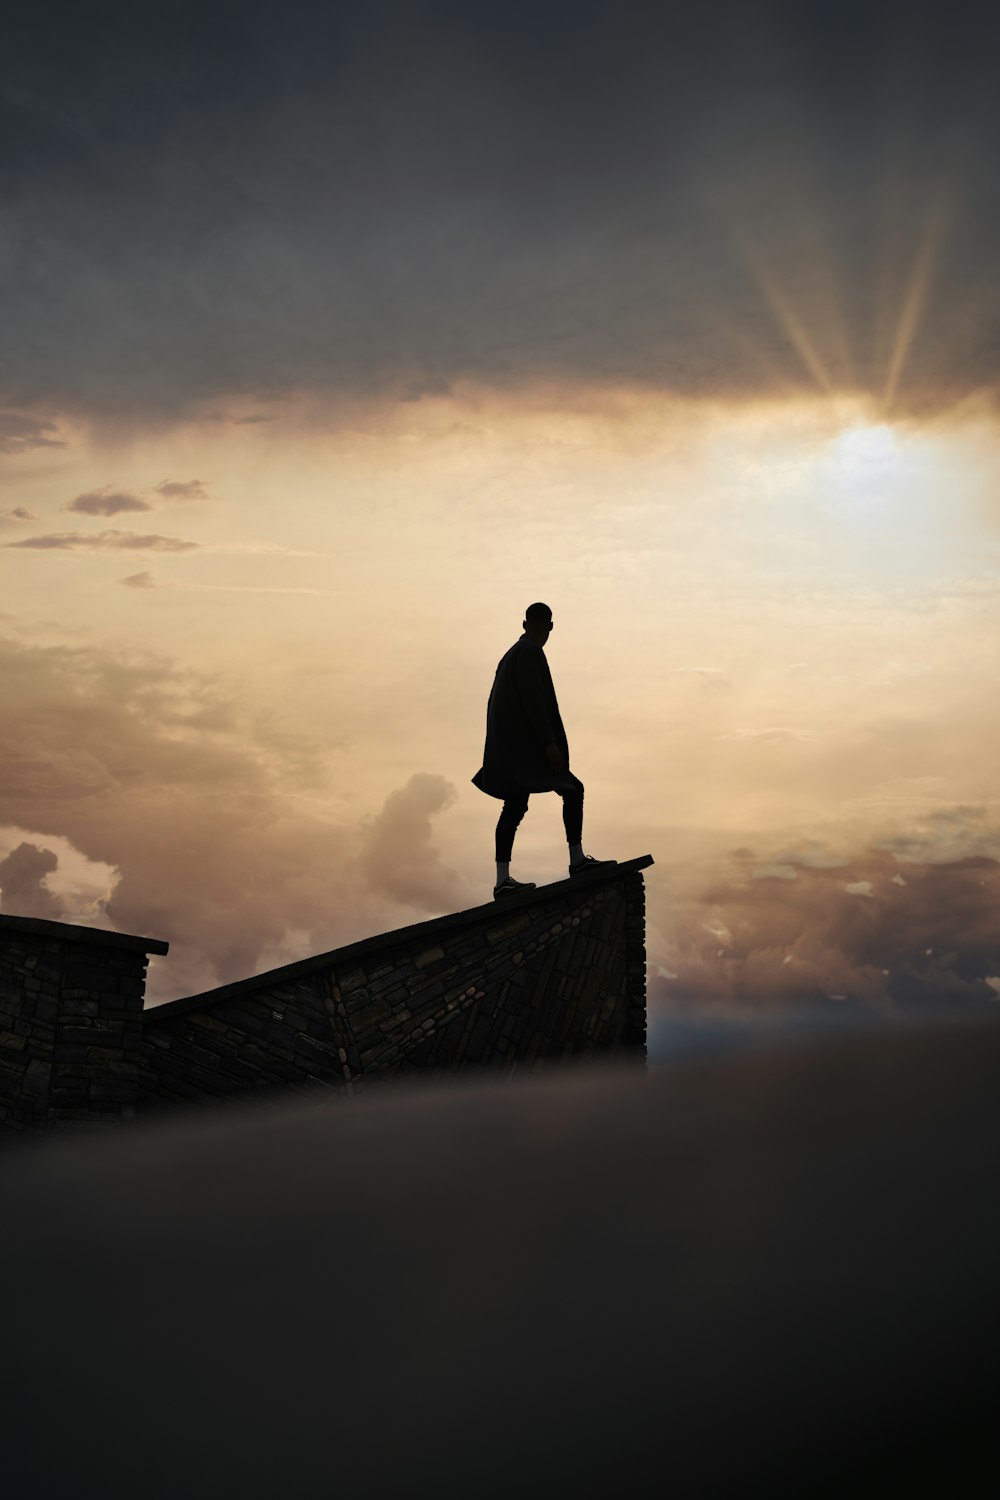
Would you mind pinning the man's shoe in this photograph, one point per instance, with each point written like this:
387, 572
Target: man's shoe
588, 862
509, 887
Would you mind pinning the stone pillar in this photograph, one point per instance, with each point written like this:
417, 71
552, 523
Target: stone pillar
70, 1023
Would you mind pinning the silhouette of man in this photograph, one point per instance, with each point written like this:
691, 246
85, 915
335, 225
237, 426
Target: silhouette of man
527, 751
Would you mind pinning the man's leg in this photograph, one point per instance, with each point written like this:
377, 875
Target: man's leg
572, 801
514, 808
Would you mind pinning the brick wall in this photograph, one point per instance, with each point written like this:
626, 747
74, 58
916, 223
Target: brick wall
70, 1023
551, 976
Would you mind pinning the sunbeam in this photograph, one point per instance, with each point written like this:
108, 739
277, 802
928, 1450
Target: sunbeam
787, 317
915, 297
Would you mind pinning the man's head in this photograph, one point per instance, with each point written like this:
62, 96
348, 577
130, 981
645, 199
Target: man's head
538, 622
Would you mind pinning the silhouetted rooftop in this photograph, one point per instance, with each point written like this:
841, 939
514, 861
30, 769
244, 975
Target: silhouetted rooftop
70, 932
352, 952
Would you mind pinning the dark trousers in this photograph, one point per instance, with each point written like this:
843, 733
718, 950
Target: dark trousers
516, 805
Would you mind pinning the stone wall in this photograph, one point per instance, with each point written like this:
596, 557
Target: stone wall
545, 978
71, 1031
553, 975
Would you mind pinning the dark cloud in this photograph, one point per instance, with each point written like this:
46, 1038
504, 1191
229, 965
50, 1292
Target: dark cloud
875, 933
416, 390
244, 201
18, 513
23, 888
227, 419
182, 489
106, 503
103, 541
20, 433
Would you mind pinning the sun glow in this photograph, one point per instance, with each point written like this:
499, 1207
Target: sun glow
866, 448
871, 464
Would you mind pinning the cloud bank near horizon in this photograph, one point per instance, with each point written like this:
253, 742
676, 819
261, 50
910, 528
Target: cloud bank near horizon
177, 796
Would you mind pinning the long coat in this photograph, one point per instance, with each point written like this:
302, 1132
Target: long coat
522, 717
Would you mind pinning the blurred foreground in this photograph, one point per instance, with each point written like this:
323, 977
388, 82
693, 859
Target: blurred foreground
771, 1269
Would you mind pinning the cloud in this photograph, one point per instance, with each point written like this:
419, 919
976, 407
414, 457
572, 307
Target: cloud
17, 513
832, 938
80, 886
106, 503
103, 541
24, 891
214, 816
945, 834
810, 852
719, 201
20, 433
148, 580
227, 419
182, 489
428, 385
398, 855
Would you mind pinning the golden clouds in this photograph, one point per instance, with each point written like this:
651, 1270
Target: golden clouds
774, 619
210, 813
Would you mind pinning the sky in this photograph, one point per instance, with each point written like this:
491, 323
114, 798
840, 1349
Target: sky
335, 335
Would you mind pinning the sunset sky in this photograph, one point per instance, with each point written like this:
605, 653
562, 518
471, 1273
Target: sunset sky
335, 335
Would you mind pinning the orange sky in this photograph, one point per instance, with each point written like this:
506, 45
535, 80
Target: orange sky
775, 632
